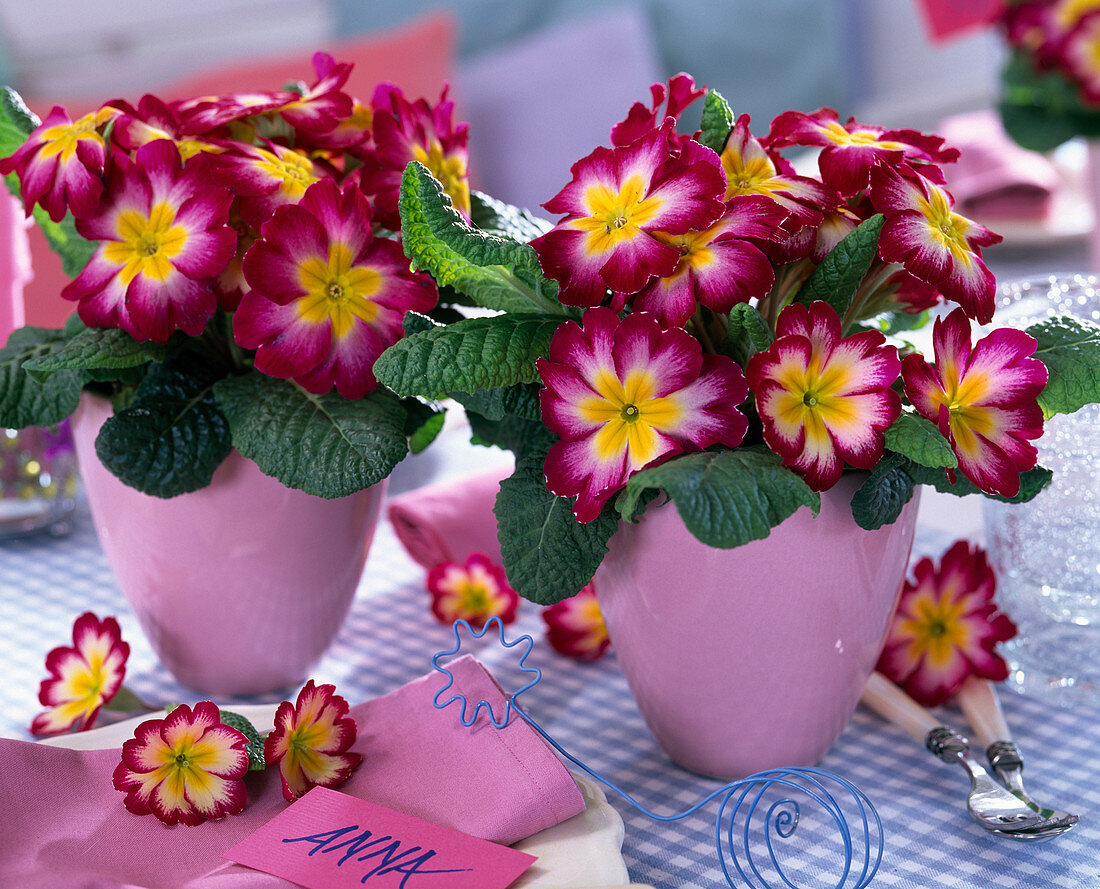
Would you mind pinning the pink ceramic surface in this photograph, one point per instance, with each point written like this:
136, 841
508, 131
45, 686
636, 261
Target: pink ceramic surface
241, 586
752, 658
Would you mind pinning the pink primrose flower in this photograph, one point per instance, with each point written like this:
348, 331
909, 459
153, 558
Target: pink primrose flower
473, 592
163, 233
617, 200
205, 114
849, 150
405, 131
266, 177
575, 626
62, 163
321, 107
642, 120
718, 266
946, 627
311, 739
626, 395
1080, 57
185, 768
327, 297
934, 243
983, 399
82, 678
153, 120
824, 400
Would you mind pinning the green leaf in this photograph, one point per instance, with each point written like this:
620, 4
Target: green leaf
478, 353
893, 323
494, 404
321, 444
747, 334
97, 349
1041, 110
838, 277
880, 499
422, 424
255, 747
65, 241
25, 401
1031, 482
496, 273
717, 121
918, 439
1070, 349
173, 435
508, 433
125, 701
17, 121
548, 555
726, 498
414, 322
501, 219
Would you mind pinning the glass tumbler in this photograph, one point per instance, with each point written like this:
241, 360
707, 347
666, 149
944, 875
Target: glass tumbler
1047, 552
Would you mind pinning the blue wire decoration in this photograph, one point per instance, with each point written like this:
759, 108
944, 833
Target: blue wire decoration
741, 800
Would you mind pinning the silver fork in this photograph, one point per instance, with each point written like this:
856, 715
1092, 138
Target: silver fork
978, 700
992, 806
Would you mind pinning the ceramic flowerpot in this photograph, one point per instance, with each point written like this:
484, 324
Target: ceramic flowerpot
752, 658
240, 586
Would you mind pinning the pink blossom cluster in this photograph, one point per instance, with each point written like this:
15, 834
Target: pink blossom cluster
1061, 36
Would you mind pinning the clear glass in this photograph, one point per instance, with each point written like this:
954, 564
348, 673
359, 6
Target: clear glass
38, 481
1047, 552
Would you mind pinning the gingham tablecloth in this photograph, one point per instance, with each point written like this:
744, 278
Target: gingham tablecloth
930, 843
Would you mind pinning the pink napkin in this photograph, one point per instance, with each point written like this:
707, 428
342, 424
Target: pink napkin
447, 521
62, 825
995, 178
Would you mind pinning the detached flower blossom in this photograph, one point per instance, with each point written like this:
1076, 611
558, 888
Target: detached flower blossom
473, 592
627, 395
616, 202
327, 297
185, 768
311, 739
163, 237
575, 626
824, 400
983, 399
62, 163
946, 627
935, 243
82, 678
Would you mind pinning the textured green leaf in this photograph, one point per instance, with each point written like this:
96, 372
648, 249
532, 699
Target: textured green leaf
478, 353
501, 219
717, 121
880, 499
494, 404
726, 498
1031, 482
1070, 349
255, 747
747, 334
321, 444
548, 555
838, 277
422, 424
173, 435
97, 349
918, 439
496, 273
25, 401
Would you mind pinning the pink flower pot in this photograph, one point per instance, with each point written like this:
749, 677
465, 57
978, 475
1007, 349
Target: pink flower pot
752, 658
241, 586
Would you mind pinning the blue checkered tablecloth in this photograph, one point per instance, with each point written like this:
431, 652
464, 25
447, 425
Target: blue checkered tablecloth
390, 636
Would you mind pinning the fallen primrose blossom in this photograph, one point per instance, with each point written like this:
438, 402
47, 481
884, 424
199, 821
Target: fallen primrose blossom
946, 627
575, 626
473, 592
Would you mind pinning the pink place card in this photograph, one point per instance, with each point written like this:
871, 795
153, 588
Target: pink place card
329, 840
947, 18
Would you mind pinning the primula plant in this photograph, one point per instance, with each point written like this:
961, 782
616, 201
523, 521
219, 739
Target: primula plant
702, 323
237, 270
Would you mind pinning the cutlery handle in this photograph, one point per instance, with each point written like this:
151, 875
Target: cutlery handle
978, 700
894, 705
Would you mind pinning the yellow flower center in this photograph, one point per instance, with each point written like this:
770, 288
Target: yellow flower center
751, 175
631, 415
62, 139
146, 244
294, 170
337, 291
946, 227
448, 169
616, 216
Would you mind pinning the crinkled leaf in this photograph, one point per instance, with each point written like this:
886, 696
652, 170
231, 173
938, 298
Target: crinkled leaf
1031, 482
494, 404
25, 401
478, 353
717, 121
726, 498
548, 555
918, 439
498, 218
495, 272
879, 500
255, 747
747, 334
509, 433
321, 444
97, 349
838, 277
173, 435
1070, 349
414, 322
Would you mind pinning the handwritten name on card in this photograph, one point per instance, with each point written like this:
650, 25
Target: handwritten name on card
329, 840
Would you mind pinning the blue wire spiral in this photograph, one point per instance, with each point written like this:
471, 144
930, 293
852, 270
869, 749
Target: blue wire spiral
780, 818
